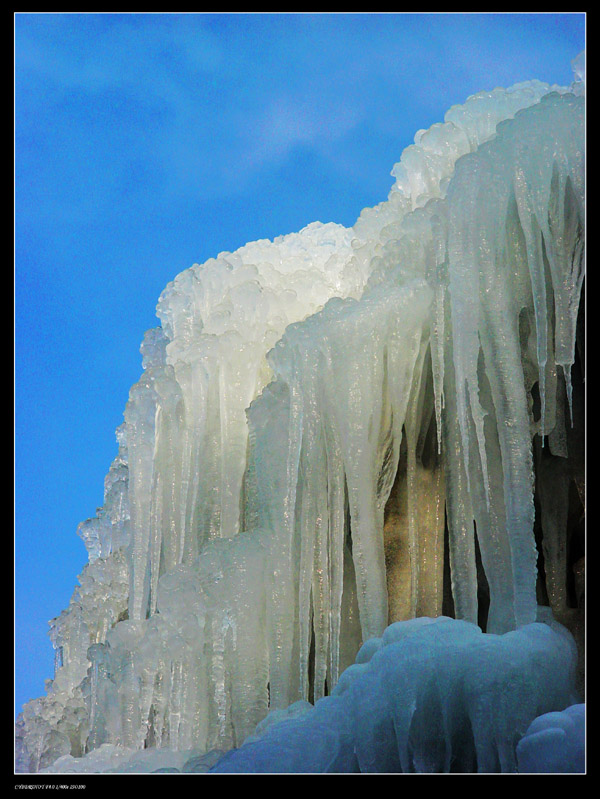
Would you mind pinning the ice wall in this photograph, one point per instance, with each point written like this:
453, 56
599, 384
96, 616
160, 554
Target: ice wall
294, 391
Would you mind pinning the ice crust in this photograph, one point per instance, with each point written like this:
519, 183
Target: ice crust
243, 554
554, 743
429, 696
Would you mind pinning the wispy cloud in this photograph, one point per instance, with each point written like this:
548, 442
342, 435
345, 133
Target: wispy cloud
207, 103
204, 107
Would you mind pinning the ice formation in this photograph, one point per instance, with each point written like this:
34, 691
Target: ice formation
325, 422
554, 743
429, 696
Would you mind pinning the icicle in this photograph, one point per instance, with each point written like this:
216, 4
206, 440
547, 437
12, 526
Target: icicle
321, 586
437, 357
569, 388
490, 518
533, 237
412, 424
140, 417
336, 529
307, 533
460, 524
278, 411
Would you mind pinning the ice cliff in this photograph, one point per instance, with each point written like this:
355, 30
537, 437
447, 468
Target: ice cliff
340, 430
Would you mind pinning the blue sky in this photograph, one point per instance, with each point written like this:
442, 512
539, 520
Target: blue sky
146, 143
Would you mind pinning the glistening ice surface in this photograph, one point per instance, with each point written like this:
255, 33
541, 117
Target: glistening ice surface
311, 414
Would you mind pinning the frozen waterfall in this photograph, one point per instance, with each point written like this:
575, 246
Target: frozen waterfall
336, 431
